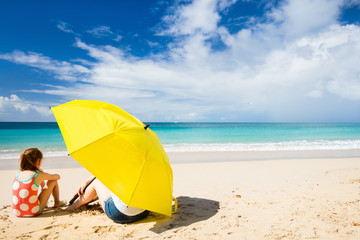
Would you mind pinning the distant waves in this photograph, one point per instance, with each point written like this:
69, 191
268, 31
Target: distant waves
218, 147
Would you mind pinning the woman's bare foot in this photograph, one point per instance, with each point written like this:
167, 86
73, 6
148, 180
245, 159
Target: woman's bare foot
73, 206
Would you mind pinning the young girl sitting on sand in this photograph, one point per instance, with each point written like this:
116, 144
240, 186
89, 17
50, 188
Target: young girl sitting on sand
25, 198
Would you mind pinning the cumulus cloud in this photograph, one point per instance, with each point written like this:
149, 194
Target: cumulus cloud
197, 16
350, 3
301, 18
286, 67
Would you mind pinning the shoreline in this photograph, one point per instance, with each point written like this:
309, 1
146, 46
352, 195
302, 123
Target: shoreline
273, 199
60, 162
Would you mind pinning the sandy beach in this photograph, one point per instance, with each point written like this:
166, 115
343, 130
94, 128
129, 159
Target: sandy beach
284, 198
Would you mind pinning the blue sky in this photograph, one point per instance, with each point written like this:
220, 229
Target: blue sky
201, 60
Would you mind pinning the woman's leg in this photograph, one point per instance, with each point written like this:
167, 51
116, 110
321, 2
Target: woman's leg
88, 196
102, 192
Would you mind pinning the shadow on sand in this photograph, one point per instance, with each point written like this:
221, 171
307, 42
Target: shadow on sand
91, 209
190, 210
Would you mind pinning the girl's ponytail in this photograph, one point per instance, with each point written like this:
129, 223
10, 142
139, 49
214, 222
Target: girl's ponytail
28, 159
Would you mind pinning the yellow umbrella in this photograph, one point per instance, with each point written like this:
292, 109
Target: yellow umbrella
118, 149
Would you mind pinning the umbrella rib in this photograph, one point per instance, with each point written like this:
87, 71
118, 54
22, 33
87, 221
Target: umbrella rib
137, 184
142, 170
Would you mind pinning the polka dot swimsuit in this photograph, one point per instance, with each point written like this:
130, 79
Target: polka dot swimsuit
25, 200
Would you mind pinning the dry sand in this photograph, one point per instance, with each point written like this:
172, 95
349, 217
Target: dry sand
274, 199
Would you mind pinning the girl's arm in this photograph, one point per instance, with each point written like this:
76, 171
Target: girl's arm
46, 176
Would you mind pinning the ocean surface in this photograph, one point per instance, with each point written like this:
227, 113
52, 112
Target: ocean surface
15, 137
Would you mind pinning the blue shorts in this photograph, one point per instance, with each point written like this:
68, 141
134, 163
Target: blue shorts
114, 214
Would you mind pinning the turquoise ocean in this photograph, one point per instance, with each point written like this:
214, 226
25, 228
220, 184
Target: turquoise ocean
190, 137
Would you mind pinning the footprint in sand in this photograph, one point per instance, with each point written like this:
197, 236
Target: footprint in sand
103, 229
354, 181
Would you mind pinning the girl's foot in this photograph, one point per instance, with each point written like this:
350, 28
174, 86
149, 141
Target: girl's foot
60, 204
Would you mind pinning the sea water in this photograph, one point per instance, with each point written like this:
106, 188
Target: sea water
15, 137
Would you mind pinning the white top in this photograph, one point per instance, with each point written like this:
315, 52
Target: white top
122, 207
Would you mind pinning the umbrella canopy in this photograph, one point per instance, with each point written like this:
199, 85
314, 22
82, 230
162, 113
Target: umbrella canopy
118, 149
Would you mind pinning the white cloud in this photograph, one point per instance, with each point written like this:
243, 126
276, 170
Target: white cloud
315, 94
61, 69
118, 38
105, 31
306, 17
63, 26
346, 89
286, 68
14, 108
350, 3
224, 4
199, 15
101, 31
152, 44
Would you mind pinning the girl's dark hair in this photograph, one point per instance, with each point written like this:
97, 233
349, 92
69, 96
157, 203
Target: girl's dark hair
29, 159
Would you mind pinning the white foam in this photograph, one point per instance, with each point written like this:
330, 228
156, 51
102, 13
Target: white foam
267, 146
206, 147
15, 154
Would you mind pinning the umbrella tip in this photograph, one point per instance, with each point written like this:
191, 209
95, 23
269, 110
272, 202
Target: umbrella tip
146, 127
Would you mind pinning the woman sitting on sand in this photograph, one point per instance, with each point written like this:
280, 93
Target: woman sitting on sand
114, 208
25, 198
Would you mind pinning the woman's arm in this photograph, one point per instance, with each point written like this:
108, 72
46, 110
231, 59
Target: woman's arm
83, 186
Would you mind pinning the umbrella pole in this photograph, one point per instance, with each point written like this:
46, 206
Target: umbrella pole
77, 195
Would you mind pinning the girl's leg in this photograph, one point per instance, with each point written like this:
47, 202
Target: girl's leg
56, 195
88, 196
52, 188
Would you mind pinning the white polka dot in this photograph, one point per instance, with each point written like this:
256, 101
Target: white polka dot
16, 185
16, 212
24, 193
35, 209
24, 207
34, 187
33, 199
15, 200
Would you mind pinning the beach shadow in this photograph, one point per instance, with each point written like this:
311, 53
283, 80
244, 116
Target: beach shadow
90, 209
190, 210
